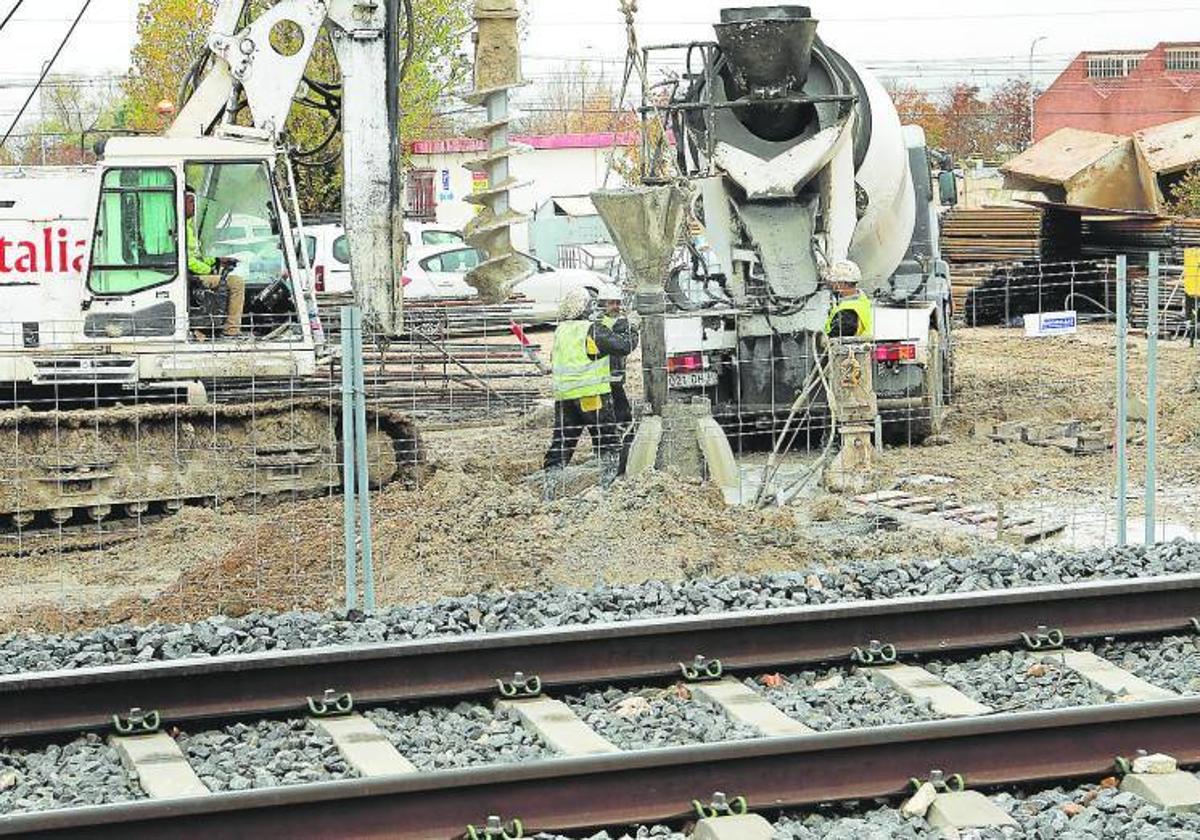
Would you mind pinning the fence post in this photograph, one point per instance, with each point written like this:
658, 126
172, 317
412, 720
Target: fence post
1151, 397
349, 338
1122, 374
362, 462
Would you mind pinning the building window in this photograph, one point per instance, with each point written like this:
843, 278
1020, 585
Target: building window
1183, 60
1112, 66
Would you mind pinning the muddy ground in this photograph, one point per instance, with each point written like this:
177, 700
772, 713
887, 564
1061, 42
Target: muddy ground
476, 522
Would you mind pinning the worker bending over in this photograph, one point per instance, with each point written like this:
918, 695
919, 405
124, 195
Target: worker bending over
582, 369
207, 270
853, 314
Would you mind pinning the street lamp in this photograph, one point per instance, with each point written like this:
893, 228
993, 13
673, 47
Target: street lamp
1032, 47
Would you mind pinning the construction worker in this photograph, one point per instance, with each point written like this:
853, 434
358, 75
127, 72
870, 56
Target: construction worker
853, 314
581, 366
1191, 292
613, 319
207, 270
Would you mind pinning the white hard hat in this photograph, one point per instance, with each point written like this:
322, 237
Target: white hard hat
610, 294
573, 304
844, 272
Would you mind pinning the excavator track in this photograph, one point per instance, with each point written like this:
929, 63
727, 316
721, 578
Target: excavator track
92, 465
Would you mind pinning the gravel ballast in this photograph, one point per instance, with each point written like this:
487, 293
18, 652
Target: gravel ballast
655, 718
491, 612
841, 700
441, 738
1172, 663
268, 753
1019, 681
85, 771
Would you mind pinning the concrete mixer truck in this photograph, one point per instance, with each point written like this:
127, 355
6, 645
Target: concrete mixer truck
795, 162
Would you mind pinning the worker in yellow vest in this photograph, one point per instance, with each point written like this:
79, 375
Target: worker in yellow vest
853, 316
582, 375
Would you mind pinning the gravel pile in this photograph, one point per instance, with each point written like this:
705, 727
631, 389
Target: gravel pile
853, 580
839, 700
85, 771
1019, 681
264, 754
655, 718
440, 738
1172, 663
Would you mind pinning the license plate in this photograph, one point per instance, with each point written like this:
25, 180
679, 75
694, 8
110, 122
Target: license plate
700, 379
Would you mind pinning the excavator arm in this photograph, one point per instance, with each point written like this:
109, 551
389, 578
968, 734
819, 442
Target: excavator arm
247, 62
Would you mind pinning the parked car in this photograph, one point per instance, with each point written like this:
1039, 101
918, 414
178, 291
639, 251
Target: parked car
329, 251
440, 272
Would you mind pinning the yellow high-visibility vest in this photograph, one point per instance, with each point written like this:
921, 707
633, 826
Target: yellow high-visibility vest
1191, 272
576, 374
861, 305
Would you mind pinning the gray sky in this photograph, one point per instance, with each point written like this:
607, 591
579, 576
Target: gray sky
933, 43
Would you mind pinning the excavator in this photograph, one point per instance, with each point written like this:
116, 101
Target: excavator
105, 327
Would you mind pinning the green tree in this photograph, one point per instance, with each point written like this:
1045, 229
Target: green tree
172, 33
1185, 195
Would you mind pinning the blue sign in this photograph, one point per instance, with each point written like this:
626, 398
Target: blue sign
445, 180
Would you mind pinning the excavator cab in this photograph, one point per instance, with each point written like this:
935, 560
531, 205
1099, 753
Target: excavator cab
148, 294
146, 281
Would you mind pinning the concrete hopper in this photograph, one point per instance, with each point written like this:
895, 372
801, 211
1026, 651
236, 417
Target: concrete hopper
644, 223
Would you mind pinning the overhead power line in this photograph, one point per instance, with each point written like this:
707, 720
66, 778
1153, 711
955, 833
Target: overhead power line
11, 12
45, 72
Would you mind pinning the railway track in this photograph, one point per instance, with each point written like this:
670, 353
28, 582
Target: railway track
591, 783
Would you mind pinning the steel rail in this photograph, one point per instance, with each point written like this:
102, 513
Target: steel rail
658, 785
56, 702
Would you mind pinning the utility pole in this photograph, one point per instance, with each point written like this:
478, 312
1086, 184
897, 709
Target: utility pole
1032, 97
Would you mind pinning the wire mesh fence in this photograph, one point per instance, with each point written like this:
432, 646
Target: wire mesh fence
136, 499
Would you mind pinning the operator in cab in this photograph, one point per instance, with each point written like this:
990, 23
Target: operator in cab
580, 364
207, 272
852, 316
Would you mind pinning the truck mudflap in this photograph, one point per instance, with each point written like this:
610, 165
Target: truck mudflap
90, 465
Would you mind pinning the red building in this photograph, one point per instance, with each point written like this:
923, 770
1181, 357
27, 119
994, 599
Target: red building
1120, 92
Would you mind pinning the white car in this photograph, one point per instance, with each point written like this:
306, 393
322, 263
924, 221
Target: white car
440, 272
329, 251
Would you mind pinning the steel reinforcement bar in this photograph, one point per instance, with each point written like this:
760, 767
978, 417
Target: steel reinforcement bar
59, 702
657, 785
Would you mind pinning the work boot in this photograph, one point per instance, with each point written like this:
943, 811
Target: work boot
552, 480
610, 467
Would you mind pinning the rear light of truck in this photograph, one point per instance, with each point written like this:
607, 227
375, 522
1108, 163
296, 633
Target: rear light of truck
685, 363
404, 281
320, 278
895, 352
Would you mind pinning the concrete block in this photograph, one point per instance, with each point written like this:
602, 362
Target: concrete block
559, 727
1157, 764
918, 804
364, 746
161, 767
749, 707
1176, 792
966, 809
718, 456
919, 684
643, 454
742, 827
1114, 680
